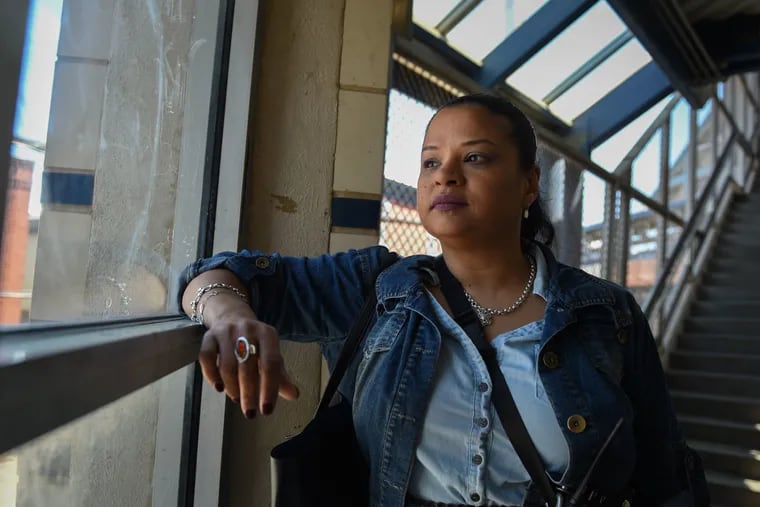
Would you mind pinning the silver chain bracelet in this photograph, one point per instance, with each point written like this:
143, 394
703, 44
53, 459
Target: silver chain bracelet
197, 316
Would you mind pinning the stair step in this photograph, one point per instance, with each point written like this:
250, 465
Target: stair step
729, 459
752, 196
732, 491
744, 208
737, 364
724, 325
718, 343
704, 308
740, 225
714, 383
733, 279
720, 264
708, 429
721, 293
731, 408
739, 239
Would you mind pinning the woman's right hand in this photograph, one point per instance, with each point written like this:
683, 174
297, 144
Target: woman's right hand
255, 383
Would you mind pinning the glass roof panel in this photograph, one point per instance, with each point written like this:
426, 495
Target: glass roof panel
567, 52
429, 13
609, 74
611, 152
489, 24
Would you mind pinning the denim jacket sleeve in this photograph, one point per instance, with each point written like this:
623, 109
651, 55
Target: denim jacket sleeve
304, 298
667, 472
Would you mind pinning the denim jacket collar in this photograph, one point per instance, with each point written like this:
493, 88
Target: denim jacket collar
570, 289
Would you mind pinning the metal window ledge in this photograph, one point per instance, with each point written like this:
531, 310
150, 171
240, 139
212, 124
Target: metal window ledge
52, 374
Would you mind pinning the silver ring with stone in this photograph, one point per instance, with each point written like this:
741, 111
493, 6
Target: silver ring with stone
244, 349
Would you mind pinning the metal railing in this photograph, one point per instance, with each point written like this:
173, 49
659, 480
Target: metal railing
697, 241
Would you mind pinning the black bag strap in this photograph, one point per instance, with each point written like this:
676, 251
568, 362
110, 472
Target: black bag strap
502, 396
350, 347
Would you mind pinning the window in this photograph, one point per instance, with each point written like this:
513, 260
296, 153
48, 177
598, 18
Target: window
114, 162
106, 135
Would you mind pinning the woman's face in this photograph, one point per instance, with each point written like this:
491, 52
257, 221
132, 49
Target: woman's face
470, 183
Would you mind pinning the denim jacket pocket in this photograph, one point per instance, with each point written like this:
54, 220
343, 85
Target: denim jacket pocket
383, 334
603, 342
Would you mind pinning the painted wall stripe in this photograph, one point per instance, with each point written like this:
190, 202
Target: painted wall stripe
355, 213
67, 188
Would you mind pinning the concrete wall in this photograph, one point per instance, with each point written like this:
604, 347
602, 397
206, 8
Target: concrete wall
318, 135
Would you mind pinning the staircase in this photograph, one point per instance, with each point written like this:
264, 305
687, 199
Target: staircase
714, 372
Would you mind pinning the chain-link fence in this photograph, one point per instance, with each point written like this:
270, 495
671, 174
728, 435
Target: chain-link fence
411, 104
400, 227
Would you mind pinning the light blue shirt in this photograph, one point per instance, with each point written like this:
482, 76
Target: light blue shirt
464, 452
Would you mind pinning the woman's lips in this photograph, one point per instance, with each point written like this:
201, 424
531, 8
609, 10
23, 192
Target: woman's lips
447, 202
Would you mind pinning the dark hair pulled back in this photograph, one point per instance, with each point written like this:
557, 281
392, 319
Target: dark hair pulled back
537, 226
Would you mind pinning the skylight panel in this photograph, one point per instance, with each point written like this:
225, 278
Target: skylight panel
428, 13
489, 24
603, 79
567, 52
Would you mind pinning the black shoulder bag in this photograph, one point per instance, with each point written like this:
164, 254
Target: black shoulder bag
322, 466
504, 402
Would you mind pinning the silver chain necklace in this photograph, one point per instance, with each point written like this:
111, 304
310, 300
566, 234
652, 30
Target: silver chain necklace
486, 315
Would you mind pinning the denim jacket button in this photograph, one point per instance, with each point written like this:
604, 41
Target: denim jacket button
475, 497
262, 262
622, 336
550, 360
576, 423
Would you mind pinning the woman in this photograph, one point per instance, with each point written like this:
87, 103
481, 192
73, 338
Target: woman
576, 351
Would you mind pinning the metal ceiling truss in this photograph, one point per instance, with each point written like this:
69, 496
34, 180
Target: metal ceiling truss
733, 43
662, 28
622, 105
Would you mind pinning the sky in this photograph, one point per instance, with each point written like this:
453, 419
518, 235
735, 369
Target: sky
35, 87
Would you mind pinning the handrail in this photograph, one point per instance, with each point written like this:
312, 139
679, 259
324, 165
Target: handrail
571, 153
103, 362
637, 148
742, 139
688, 230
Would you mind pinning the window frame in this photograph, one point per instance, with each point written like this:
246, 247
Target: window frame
111, 350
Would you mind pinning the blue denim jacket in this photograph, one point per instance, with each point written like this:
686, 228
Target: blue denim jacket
597, 360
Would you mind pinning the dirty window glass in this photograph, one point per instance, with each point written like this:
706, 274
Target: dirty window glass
109, 138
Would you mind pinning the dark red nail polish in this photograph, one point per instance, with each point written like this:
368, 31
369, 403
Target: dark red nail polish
250, 413
266, 409
219, 386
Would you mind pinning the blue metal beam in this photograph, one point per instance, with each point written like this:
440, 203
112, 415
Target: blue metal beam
622, 105
529, 38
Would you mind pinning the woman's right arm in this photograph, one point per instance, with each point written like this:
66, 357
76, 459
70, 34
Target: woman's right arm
305, 299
